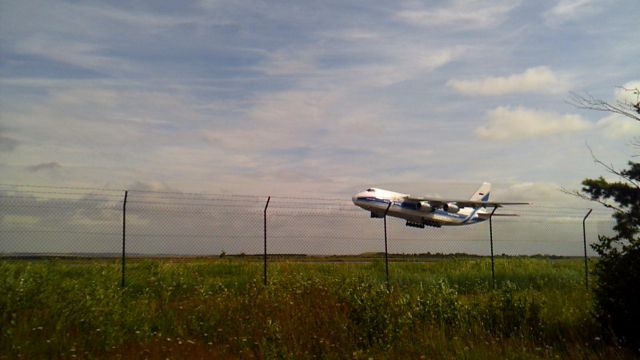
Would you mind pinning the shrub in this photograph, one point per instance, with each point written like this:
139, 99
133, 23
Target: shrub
617, 291
617, 294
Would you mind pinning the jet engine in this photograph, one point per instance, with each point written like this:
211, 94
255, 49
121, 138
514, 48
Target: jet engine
425, 206
451, 207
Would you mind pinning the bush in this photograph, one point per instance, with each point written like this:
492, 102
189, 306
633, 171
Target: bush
617, 292
617, 295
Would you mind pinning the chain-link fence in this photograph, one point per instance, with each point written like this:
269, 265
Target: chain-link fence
55, 221
82, 221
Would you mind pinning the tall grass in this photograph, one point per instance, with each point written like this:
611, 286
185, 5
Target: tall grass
221, 309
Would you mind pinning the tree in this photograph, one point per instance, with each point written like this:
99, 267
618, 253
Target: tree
617, 291
630, 109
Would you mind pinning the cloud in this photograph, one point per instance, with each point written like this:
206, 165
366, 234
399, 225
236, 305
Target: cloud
151, 186
539, 79
521, 123
628, 93
135, 18
405, 62
7, 143
531, 192
352, 35
50, 166
76, 53
616, 126
103, 117
341, 94
461, 15
363, 65
569, 10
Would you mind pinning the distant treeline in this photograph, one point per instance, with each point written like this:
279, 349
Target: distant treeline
367, 255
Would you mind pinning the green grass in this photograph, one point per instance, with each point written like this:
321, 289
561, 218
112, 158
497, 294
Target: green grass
220, 309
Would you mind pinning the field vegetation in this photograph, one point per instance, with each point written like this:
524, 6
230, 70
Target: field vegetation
221, 309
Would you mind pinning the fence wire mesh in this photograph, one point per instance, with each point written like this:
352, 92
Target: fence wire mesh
44, 220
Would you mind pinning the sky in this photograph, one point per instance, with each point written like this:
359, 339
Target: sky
322, 98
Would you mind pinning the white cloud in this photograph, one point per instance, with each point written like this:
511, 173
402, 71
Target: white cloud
521, 123
538, 79
285, 63
412, 62
628, 93
134, 18
384, 65
568, 10
351, 92
531, 192
77, 53
616, 126
460, 15
352, 35
99, 124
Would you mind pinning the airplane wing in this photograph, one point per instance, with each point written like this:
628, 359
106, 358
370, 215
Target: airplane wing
436, 202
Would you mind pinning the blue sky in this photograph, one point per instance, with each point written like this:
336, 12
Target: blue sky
300, 97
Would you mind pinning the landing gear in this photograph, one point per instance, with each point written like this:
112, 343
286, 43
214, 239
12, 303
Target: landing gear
417, 225
423, 224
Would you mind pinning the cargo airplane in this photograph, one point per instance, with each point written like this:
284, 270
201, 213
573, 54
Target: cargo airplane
427, 211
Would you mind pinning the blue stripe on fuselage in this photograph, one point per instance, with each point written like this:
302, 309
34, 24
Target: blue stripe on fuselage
375, 200
472, 214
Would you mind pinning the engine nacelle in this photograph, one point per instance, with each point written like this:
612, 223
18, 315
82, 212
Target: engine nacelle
451, 207
425, 206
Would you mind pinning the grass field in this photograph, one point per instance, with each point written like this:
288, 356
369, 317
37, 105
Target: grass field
220, 309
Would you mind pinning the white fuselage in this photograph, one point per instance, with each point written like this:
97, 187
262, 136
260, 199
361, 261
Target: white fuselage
377, 200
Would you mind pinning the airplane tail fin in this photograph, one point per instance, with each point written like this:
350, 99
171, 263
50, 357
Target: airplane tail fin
482, 194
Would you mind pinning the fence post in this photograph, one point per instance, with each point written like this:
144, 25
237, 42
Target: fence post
584, 238
265, 240
124, 233
386, 255
493, 273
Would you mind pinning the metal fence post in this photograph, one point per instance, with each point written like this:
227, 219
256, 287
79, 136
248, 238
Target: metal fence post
584, 238
265, 240
386, 255
493, 273
124, 232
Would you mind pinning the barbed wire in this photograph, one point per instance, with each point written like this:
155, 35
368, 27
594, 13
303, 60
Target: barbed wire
60, 187
163, 193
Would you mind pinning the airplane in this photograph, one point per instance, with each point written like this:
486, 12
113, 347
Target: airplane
427, 211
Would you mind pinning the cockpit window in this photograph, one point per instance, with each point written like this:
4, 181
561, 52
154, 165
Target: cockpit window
370, 190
